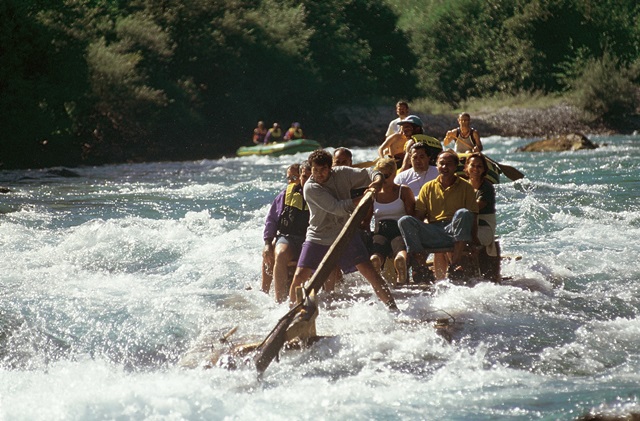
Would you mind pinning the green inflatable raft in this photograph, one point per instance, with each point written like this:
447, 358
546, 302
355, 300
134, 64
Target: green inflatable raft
280, 148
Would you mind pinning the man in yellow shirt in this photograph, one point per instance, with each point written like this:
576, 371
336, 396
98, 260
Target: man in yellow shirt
445, 217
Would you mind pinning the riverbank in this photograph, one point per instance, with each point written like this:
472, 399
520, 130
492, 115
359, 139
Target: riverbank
365, 126
350, 126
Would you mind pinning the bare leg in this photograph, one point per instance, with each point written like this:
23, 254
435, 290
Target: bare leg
379, 286
301, 276
376, 261
465, 258
458, 252
266, 277
400, 263
330, 284
440, 264
420, 272
281, 271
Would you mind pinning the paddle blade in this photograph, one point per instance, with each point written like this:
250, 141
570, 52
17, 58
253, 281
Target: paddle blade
511, 173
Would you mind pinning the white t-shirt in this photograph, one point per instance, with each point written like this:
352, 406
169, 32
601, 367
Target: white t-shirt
416, 180
393, 127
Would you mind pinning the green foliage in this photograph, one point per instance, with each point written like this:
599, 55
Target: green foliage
127, 98
456, 40
605, 90
476, 49
34, 87
107, 80
368, 54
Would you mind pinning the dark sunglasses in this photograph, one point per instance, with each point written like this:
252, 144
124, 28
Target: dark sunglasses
292, 178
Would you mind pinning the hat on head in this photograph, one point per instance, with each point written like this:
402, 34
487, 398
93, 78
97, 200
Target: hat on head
412, 119
296, 125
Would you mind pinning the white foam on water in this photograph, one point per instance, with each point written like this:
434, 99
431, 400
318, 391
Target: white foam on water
91, 389
600, 349
111, 281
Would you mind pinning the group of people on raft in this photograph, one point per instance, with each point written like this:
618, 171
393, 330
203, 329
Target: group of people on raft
263, 136
422, 205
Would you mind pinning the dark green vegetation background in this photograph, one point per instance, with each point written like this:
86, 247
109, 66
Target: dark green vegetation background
102, 81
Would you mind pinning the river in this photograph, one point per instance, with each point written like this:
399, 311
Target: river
110, 281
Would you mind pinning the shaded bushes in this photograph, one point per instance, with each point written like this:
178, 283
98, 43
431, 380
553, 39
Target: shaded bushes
605, 89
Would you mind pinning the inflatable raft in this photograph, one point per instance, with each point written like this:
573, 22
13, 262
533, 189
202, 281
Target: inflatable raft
280, 148
493, 170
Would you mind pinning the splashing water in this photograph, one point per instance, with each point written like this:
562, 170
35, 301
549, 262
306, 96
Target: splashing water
112, 279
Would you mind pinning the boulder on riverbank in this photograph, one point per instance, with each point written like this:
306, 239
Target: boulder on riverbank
568, 142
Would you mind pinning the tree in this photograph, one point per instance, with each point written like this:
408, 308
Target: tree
34, 113
605, 89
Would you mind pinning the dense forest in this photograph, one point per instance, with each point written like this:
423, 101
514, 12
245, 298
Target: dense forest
97, 81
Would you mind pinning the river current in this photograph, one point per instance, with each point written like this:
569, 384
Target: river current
116, 285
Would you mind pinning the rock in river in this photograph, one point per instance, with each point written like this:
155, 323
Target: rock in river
568, 142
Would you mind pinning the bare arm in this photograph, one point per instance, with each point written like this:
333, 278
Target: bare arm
409, 200
384, 147
450, 136
376, 184
390, 144
406, 161
476, 138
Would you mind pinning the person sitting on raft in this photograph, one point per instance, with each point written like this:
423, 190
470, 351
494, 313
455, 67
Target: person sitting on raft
274, 134
284, 231
259, 133
402, 111
392, 202
394, 145
445, 217
476, 169
466, 138
420, 172
342, 157
328, 194
294, 132
434, 147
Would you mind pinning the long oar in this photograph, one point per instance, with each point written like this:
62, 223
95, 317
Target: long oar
273, 343
366, 164
512, 173
507, 170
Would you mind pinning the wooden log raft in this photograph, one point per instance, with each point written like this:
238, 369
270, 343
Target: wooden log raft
225, 354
